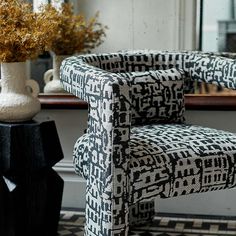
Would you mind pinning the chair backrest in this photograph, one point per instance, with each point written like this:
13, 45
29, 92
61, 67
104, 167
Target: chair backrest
138, 61
219, 69
157, 83
156, 96
163, 102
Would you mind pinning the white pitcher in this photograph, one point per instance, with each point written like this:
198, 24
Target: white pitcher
52, 76
19, 95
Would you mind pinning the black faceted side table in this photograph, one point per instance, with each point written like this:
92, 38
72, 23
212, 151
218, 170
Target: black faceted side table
30, 190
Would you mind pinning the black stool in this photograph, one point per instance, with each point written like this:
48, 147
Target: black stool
30, 190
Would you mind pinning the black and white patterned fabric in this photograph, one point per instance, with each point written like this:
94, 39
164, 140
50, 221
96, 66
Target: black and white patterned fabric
128, 163
157, 96
180, 159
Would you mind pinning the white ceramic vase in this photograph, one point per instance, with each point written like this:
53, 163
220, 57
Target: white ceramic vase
19, 95
52, 76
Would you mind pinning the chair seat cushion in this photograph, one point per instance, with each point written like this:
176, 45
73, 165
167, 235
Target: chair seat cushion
178, 159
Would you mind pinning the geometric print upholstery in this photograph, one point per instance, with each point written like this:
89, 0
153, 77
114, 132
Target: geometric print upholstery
157, 96
126, 164
178, 159
197, 66
170, 160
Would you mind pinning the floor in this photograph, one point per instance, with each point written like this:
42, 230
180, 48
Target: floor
71, 224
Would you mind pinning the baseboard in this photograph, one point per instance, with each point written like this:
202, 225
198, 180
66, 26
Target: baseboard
66, 170
74, 185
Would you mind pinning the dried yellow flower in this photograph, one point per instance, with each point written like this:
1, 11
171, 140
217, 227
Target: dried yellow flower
24, 34
76, 35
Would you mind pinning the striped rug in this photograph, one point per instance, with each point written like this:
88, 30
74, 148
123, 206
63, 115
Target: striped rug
72, 222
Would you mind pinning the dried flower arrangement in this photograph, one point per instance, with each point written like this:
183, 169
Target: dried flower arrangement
76, 35
24, 34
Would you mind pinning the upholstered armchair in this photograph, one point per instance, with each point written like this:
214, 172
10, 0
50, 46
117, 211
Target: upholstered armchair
138, 145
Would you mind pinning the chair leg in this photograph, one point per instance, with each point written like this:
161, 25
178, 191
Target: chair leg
141, 212
105, 217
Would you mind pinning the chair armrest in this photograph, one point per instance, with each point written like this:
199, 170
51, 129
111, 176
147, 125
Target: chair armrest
83, 80
108, 95
109, 118
212, 69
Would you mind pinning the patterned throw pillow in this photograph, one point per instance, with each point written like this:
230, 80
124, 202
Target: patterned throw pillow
157, 96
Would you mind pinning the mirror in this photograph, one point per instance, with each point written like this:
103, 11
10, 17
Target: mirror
187, 24
77, 33
217, 34
38, 67
218, 25
138, 25
42, 69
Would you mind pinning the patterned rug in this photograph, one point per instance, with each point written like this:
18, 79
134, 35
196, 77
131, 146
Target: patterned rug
71, 224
